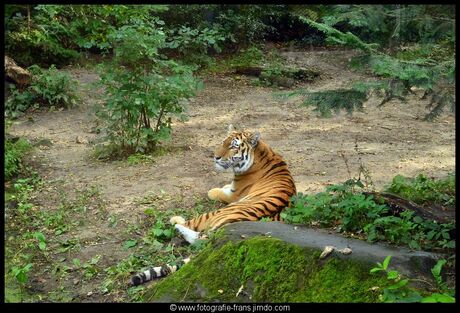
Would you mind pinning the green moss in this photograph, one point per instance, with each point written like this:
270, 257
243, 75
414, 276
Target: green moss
270, 270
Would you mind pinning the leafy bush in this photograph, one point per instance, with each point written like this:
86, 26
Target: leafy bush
338, 205
54, 34
251, 56
13, 155
49, 87
193, 43
40, 30
94, 24
142, 90
392, 24
411, 230
347, 208
329, 101
400, 291
425, 190
398, 73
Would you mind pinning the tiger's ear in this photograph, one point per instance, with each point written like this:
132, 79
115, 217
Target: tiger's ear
230, 128
254, 139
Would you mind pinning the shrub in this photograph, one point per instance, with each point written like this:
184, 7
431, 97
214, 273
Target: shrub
338, 205
425, 190
49, 87
143, 91
195, 43
13, 155
346, 207
39, 34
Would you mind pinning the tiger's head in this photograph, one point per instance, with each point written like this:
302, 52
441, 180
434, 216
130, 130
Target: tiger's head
236, 151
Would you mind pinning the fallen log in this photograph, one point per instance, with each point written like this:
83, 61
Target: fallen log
16, 74
397, 205
297, 74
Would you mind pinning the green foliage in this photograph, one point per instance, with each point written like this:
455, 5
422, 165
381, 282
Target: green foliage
89, 269
346, 207
392, 24
41, 240
95, 24
194, 44
399, 289
39, 30
20, 273
251, 56
139, 158
399, 73
425, 190
52, 34
339, 204
412, 230
326, 102
49, 87
160, 231
335, 36
14, 152
143, 91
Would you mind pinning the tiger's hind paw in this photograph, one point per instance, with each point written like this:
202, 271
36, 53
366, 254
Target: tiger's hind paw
189, 235
177, 220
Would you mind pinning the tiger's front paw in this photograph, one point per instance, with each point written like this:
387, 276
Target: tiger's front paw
189, 235
177, 220
214, 193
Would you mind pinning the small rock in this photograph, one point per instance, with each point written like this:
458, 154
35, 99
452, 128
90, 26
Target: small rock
375, 288
345, 251
327, 250
76, 281
220, 291
80, 139
44, 142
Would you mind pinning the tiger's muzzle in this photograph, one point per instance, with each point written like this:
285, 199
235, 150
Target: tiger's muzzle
220, 164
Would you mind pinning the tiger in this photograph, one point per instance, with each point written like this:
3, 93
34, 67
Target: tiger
261, 188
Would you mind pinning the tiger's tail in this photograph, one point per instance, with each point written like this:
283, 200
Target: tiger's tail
156, 272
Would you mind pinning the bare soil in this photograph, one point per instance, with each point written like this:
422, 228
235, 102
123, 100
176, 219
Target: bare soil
391, 140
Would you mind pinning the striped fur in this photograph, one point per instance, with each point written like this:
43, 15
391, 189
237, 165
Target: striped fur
156, 272
262, 187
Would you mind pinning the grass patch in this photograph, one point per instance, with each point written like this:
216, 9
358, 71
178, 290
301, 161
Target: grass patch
15, 149
36, 248
424, 190
149, 243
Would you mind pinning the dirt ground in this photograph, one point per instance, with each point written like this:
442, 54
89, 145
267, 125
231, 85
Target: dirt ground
392, 140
